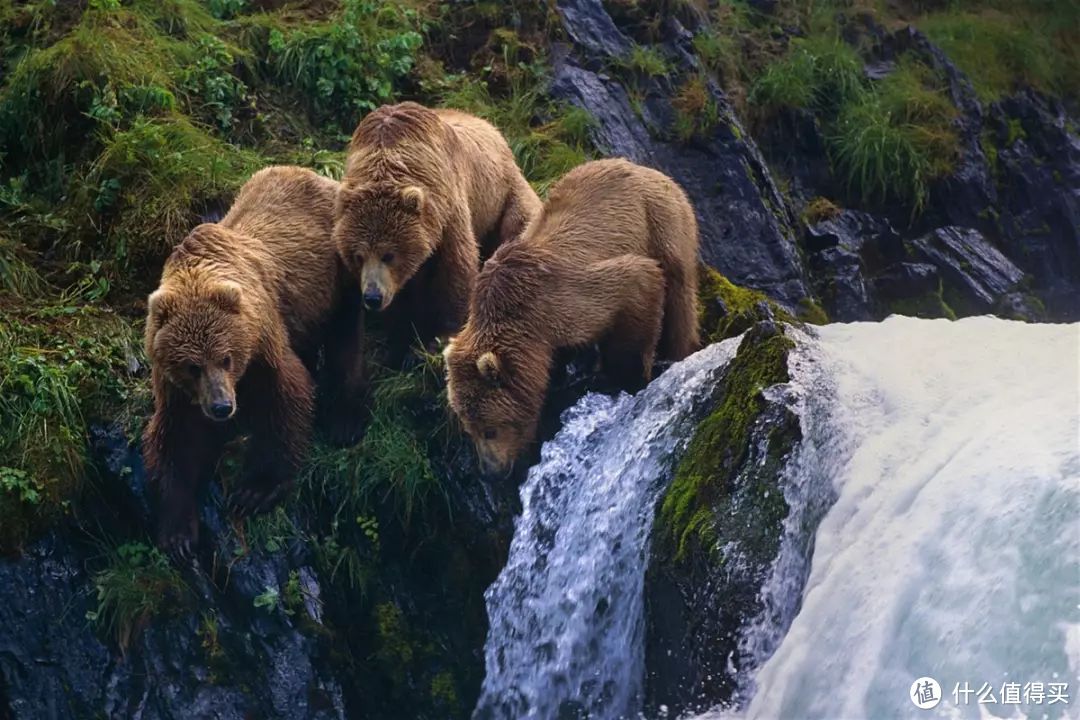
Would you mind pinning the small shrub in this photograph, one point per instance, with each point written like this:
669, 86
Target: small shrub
696, 110
647, 62
137, 583
214, 93
349, 65
895, 139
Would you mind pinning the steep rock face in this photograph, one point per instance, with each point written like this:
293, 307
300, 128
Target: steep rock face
977, 271
747, 231
1017, 180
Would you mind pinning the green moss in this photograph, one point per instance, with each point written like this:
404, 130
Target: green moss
137, 583
394, 649
691, 519
726, 310
812, 313
928, 305
444, 694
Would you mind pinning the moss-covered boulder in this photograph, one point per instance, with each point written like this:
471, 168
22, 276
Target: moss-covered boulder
718, 529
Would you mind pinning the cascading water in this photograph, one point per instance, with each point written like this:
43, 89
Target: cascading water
950, 452
953, 548
566, 612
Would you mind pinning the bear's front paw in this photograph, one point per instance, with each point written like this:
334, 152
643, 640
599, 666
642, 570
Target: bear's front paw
179, 540
257, 495
343, 422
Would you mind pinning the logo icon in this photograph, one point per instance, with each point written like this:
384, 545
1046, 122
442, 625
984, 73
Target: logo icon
925, 693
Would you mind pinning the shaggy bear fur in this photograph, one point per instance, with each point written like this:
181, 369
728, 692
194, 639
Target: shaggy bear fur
423, 189
611, 259
233, 334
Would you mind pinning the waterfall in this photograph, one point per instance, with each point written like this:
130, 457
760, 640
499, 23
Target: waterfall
566, 613
952, 550
934, 531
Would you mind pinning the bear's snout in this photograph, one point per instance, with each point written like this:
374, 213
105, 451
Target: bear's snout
373, 298
221, 410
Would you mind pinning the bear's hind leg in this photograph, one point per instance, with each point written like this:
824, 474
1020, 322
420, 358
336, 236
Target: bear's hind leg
281, 420
679, 337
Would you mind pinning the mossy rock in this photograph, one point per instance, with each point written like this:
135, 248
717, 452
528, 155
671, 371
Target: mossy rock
726, 310
718, 528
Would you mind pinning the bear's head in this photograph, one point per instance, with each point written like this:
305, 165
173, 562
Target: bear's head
201, 336
383, 236
497, 395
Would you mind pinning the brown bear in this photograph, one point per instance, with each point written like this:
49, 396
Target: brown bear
611, 259
423, 189
233, 333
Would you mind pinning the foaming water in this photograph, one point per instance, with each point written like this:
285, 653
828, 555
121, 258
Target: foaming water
566, 613
953, 547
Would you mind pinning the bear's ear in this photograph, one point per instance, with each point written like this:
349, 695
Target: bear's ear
227, 295
157, 306
488, 365
413, 199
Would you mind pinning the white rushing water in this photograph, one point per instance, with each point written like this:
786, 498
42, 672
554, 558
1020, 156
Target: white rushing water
953, 548
566, 613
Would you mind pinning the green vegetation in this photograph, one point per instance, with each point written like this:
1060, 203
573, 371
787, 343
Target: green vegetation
696, 110
1002, 46
887, 139
60, 365
137, 583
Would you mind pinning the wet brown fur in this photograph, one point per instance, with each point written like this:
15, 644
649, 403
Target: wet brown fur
611, 259
427, 187
248, 301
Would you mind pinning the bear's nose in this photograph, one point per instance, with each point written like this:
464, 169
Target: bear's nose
221, 410
372, 299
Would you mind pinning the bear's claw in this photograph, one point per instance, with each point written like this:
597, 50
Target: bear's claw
255, 500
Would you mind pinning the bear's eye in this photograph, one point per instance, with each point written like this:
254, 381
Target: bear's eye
194, 371
226, 362
388, 258
489, 434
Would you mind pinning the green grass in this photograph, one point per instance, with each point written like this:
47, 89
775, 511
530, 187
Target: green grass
892, 140
888, 140
137, 583
647, 62
63, 364
1002, 50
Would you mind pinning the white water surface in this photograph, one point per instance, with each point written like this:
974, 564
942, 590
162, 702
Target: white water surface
953, 547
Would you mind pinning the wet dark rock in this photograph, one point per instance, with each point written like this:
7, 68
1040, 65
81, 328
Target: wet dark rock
845, 252
793, 143
977, 271
746, 228
907, 280
842, 287
1038, 218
